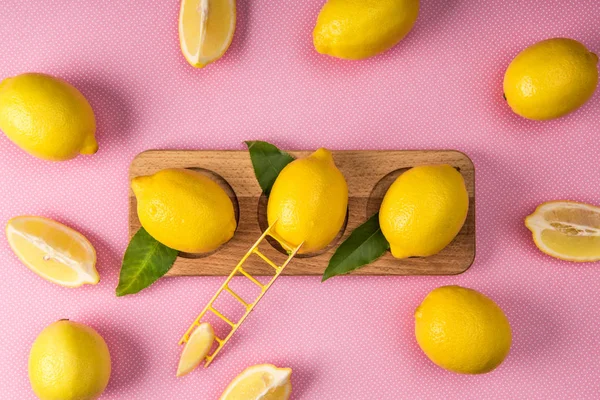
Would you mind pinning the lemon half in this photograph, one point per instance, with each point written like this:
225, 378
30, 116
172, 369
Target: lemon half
567, 230
196, 348
53, 251
260, 382
206, 29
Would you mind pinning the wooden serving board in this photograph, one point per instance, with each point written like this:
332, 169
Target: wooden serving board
368, 173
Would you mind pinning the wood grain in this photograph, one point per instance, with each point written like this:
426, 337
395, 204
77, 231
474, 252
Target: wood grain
368, 174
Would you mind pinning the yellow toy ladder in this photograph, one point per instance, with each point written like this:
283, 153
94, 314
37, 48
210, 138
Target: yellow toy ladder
292, 251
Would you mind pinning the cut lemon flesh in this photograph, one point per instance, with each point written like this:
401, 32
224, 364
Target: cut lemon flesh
206, 29
567, 230
53, 251
260, 382
196, 348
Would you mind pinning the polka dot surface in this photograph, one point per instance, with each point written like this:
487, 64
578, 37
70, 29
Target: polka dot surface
351, 337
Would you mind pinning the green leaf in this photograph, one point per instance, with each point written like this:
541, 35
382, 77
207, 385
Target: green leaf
268, 161
145, 260
364, 245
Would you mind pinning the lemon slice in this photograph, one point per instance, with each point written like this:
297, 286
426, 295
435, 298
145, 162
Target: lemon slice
53, 251
206, 29
567, 230
260, 382
196, 348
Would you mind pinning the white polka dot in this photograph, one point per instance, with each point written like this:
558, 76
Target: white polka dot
351, 337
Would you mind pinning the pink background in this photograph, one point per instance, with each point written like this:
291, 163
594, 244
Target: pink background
350, 338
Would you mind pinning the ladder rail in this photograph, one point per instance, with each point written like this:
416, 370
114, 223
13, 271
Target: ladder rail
186, 335
248, 306
212, 356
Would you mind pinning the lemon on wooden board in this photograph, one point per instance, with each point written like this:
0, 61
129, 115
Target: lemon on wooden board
423, 210
550, 79
184, 210
309, 200
47, 117
260, 382
206, 29
566, 230
53, 250
358, 29
462, 330
69, 361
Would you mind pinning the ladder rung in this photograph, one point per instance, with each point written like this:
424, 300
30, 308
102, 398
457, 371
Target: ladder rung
265, 259
236, 296
218, 314
247, 275
280, 240
292, 251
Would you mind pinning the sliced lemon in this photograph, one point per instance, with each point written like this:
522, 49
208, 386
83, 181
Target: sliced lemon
196, 348
567, 230
260, 382
206, 29
53, 251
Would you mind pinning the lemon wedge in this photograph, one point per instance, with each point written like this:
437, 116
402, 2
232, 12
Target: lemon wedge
260, 382
196, 348
53, 251
567, 230
206, 29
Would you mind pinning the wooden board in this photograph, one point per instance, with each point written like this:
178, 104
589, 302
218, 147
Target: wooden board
368, 173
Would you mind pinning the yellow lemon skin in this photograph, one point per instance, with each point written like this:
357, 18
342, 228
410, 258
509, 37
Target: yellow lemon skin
550, 79
184, 210
462, 330
69, 361
358, 29
423, 210
47, 117
309, 201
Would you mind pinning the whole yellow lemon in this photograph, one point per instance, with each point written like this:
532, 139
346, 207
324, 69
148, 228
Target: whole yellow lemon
357, 29
47, 117
69, 361
423, 210
462, 330
184, 209
309, 200
550, 79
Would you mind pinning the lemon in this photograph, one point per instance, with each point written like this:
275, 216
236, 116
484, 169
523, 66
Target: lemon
260, 382
357, 29
196, 348
309, 200
550, 79
423, 210
184, 209
47, 117
462, 330
69, 361
53, 251
206, 29
567, 230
